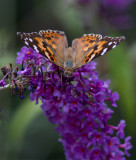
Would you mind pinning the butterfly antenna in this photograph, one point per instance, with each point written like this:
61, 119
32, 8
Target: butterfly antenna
61, 80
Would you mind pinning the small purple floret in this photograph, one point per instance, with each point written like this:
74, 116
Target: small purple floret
2, 82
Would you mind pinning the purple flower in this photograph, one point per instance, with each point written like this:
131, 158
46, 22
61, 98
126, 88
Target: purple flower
77, 105
39, 91
127, 145
114, 11
120, 155
119, 128
96, 154
2, 82
114, 3
118, 20
26, 71
111, 146
27, 54
120, 131
116, 16
113, 97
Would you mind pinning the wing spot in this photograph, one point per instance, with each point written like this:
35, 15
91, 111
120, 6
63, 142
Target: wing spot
96, 47
52, 59
44, 45
110, 43
49, 53
26, 43
48, 38
104, 51
114, 46
49, 50
36, 49
91, 41
30, 39
86, 60
115, 42
90, 56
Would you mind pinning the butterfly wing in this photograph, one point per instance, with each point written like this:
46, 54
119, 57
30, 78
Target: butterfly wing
49, 43
81, 46
57, 40
90, 46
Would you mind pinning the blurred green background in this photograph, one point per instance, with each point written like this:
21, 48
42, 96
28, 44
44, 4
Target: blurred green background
25, 134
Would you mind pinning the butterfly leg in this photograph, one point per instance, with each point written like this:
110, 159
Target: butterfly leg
80, 74
60, 75
61, 78
79, 79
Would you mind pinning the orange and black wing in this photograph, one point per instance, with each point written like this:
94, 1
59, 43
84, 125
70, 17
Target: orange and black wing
90, 46
46, 43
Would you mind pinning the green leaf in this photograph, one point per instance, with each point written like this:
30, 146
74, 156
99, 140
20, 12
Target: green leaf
21, 120
25, 114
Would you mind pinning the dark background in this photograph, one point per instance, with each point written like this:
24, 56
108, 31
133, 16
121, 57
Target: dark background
25, 134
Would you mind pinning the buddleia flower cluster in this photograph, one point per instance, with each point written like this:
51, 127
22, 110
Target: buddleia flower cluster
78, 105
115, 12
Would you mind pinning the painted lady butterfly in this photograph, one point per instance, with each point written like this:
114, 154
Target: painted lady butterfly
53, 45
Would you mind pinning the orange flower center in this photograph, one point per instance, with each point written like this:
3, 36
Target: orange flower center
98, 136
29, 53
110, 143
75, 103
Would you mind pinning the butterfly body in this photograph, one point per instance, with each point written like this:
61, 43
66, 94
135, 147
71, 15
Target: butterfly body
53, 45
68, 62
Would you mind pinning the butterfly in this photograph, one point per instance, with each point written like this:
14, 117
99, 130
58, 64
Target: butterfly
53, 45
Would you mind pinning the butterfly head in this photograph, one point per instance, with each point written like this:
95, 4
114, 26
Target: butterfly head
68, 72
